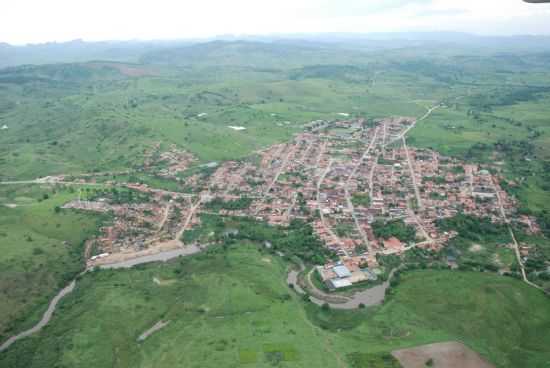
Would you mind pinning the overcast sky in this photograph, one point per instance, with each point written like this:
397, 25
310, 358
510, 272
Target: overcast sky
33, 21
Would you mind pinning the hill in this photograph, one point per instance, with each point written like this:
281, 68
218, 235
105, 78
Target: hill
234, 309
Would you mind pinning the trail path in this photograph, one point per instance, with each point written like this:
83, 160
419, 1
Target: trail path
164, 217
157, 326
187, 221
407, 130
514, 240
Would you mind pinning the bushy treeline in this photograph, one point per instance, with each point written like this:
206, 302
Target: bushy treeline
395, 228
503, 97
296, 240
117, 195
217, 204
544, 222
475, 228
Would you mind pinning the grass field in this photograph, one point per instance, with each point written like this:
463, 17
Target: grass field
82, 117
41, 250
234, 309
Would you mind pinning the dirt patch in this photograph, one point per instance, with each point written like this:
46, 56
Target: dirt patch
157, 326
476, 248
441, 355
161, 282
266, 260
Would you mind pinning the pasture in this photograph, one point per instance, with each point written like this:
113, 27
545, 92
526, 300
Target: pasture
232, 308
41, 250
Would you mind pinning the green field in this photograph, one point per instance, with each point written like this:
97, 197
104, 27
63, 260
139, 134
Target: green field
42, 249
233, 309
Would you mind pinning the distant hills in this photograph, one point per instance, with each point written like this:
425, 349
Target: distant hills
266, 51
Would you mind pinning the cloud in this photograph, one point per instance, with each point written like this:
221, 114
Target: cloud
443, 12
25, 21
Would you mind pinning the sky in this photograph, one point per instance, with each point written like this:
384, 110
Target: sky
37, 21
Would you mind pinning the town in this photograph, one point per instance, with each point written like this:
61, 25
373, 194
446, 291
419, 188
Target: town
349, 178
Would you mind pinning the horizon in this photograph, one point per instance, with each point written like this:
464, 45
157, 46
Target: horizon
61, 21
268, 37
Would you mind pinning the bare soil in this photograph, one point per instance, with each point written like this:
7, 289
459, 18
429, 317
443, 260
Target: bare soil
442, 355
475, 248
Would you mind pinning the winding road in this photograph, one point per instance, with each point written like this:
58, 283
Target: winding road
368, 298
162, 256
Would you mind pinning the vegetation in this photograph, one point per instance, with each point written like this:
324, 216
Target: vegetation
238, 204
476, 229
296, 240
232, 307
360, 199
394, 228
480, 243
42, 249
359, 360
115, 195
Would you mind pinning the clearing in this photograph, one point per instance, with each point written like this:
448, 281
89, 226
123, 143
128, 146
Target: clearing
441, 355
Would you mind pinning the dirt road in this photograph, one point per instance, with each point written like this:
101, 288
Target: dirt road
369, 297
514, 240
348, 197
162, 256
323, 221
45, 317
413, 175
